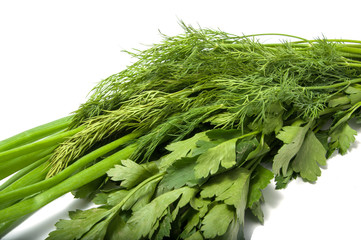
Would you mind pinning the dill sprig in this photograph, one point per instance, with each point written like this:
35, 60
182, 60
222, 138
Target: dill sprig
185, 75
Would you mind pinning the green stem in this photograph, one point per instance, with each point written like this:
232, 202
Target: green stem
11, 166
41, 144
80, 163
276, 34
21, 173
74, 182
33, 177
336, 85
6, 227
35, 134
332, 40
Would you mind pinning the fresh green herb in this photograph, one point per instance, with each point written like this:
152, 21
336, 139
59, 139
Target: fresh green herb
181, 143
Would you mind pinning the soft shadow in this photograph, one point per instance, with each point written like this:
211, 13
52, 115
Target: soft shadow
37, 231
272, 199
250, 224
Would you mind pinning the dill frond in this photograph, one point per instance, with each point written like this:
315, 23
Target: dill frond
173, 86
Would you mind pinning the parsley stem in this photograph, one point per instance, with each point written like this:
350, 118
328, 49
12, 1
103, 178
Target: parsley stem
336, 85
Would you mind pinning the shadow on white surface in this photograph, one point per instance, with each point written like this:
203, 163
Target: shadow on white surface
272, 198
41, 223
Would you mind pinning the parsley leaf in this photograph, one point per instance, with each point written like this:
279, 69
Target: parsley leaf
260, 180
145, 220
230, 187
80, 223
181, 149
341, 138
130, 173
293, 137
209, 162
217, 220
308, 157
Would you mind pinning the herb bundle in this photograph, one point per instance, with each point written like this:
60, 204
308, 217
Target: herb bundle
181, 143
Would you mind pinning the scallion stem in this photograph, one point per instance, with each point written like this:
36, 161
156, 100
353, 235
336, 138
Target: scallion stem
35, 134
41, 144
22, 192
74, 182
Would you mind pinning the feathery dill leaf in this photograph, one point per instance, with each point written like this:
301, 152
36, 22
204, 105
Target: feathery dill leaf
199, 69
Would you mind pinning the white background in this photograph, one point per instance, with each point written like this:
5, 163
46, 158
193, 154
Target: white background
53, 52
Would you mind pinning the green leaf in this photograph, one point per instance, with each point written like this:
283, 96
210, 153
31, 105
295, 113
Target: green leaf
179, 174
130, 173
342, 137
89, 191
283, 180
200, 205
217, 220
261, 149
98, 231
181, 149
230, 187
354, 94
100, 199
338, 100
309, 156
184, 200
209, 162
164, 227
244, 147
144, 220
193, 220
257, 211
260, 180
273, 121
223, 134
195, 236
118, 229
292, 137
135, 200
79, 224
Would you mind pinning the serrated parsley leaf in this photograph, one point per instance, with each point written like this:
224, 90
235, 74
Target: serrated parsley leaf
309, 156
217, 220
181, 149
79, 224
130, 173
244, 147
223, 134
260, 179
180, 173
230, 187
209, 162
134, 200
195, 236
273, 121
341, 138
292, 137
164, 226
144, 221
